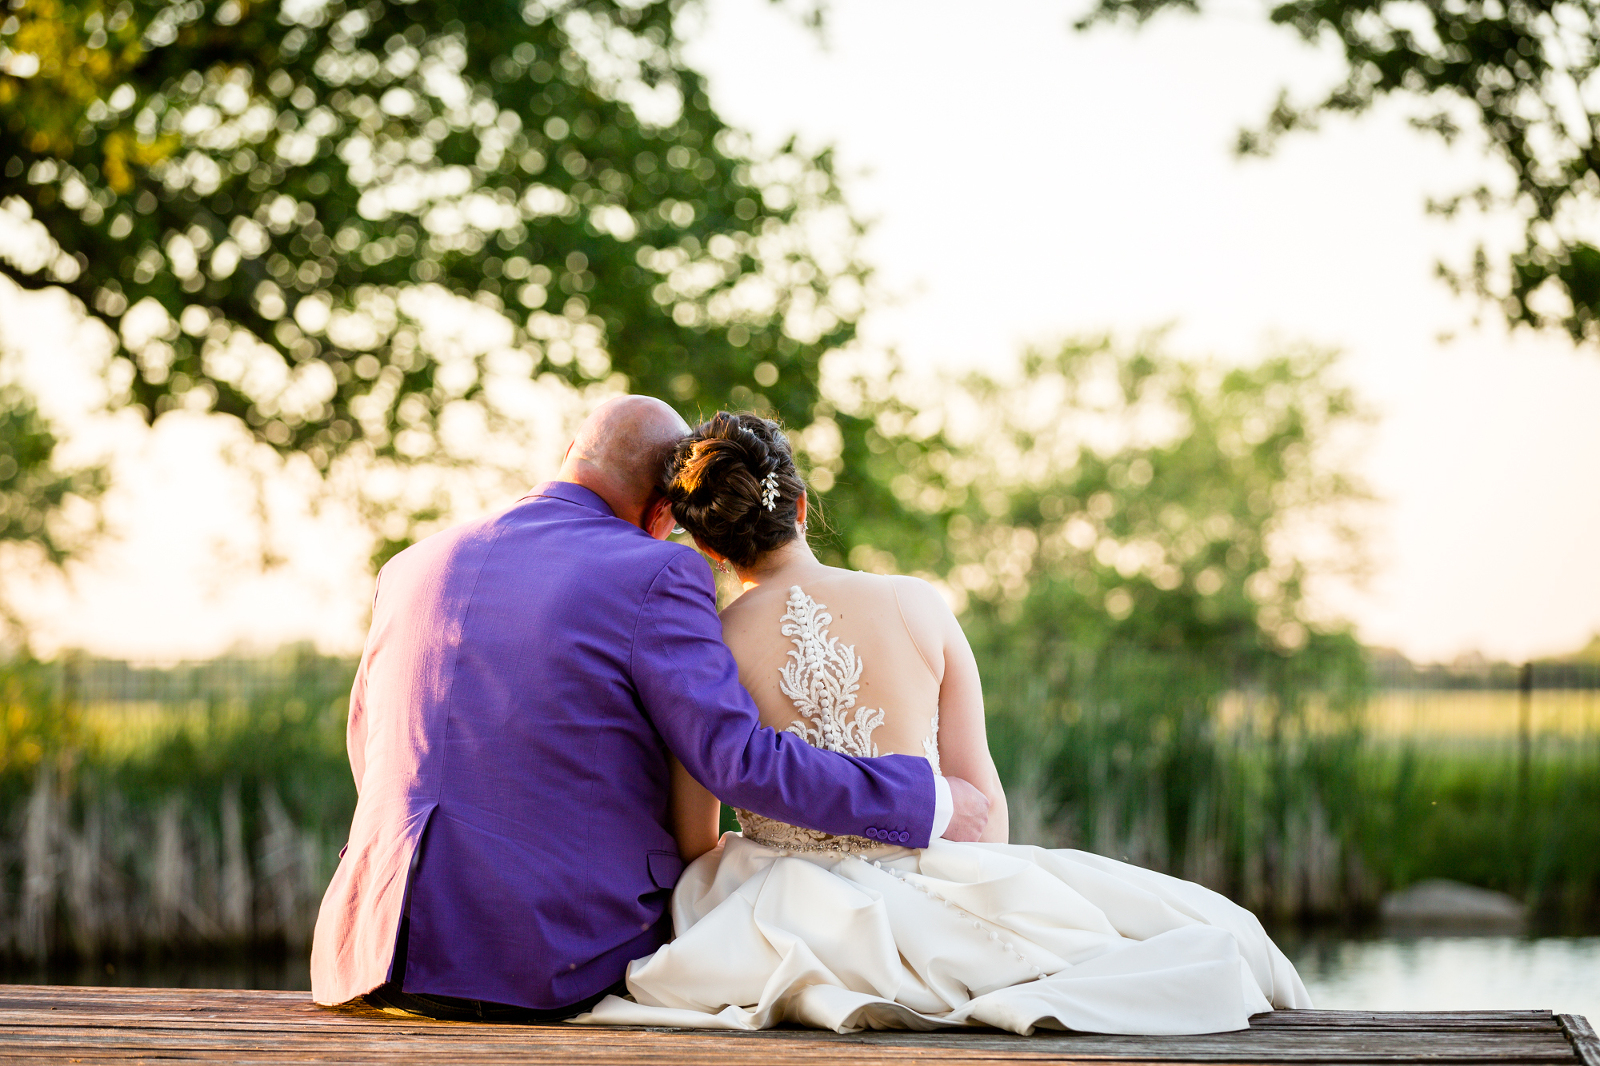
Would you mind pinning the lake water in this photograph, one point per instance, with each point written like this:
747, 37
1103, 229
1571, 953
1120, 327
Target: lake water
1451, 972
1377, 973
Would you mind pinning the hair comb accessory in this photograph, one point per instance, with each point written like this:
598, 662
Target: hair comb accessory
769, 491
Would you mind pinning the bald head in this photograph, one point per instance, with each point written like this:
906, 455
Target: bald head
619, 451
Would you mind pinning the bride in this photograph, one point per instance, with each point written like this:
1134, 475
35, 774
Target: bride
785, 924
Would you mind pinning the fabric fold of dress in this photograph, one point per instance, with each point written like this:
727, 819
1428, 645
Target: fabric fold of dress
1010, 936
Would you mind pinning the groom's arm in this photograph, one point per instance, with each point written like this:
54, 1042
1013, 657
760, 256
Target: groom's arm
688, 683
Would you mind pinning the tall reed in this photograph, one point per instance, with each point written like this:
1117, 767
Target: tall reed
1257, 815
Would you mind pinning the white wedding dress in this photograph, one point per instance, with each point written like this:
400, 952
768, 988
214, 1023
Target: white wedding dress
785, 924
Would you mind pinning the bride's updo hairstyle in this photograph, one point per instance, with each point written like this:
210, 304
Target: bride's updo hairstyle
721, 478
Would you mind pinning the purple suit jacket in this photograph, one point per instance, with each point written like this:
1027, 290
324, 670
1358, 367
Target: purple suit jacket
522, 684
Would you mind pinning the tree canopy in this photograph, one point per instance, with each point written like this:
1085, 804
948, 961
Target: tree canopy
1110, 494
1521, 73
266, 200
1136, 536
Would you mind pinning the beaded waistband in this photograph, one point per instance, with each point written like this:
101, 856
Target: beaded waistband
772, 833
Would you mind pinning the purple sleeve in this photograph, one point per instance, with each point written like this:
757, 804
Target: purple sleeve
689, 685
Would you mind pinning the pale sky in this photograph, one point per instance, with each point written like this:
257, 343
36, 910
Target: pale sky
1031, 183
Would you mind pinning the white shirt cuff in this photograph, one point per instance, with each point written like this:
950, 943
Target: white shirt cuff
944, 807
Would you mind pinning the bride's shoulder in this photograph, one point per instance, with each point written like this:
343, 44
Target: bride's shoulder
910, 594
835, 589
919, 596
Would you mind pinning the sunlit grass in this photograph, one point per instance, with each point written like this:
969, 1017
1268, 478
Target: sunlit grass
1434, 715
1487, 714
125, 728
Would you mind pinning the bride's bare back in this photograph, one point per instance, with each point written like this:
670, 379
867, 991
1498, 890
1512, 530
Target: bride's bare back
862, 664
838, 662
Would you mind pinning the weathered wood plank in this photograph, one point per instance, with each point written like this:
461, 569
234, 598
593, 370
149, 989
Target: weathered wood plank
774, 1042
27, 999
1582, 1036
56, 1025
391, 1052
52, 1024
477, 1043
1404, 1019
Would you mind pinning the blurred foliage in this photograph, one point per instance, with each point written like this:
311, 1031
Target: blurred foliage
269, 201
290, 742
1311, 820
287, 736
1488, 819
38, 519
290, 734
1520, 74
1589, 653
1131, 760
39, 725
1113, 496
33, 488
180, 827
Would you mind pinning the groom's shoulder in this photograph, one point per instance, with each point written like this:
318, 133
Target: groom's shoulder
565, 541
641, 569
668, 560
605, 547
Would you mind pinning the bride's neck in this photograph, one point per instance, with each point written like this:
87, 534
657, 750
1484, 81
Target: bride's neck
785, 564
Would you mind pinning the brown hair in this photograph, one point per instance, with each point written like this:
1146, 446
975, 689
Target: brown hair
717, 476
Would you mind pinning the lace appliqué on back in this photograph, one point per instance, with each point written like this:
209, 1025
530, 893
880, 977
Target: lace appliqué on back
821, 677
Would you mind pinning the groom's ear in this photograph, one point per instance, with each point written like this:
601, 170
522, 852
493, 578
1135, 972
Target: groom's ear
658, 518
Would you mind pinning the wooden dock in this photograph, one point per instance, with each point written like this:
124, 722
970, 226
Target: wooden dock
53, 1024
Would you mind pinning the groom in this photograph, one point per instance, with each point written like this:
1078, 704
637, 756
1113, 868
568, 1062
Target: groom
524, 680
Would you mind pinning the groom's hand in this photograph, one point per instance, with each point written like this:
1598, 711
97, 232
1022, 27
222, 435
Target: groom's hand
972, 811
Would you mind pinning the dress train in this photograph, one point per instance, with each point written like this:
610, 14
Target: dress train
1010, 936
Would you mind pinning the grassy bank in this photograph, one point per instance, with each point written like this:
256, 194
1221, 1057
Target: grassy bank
1314, 816
211, 825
